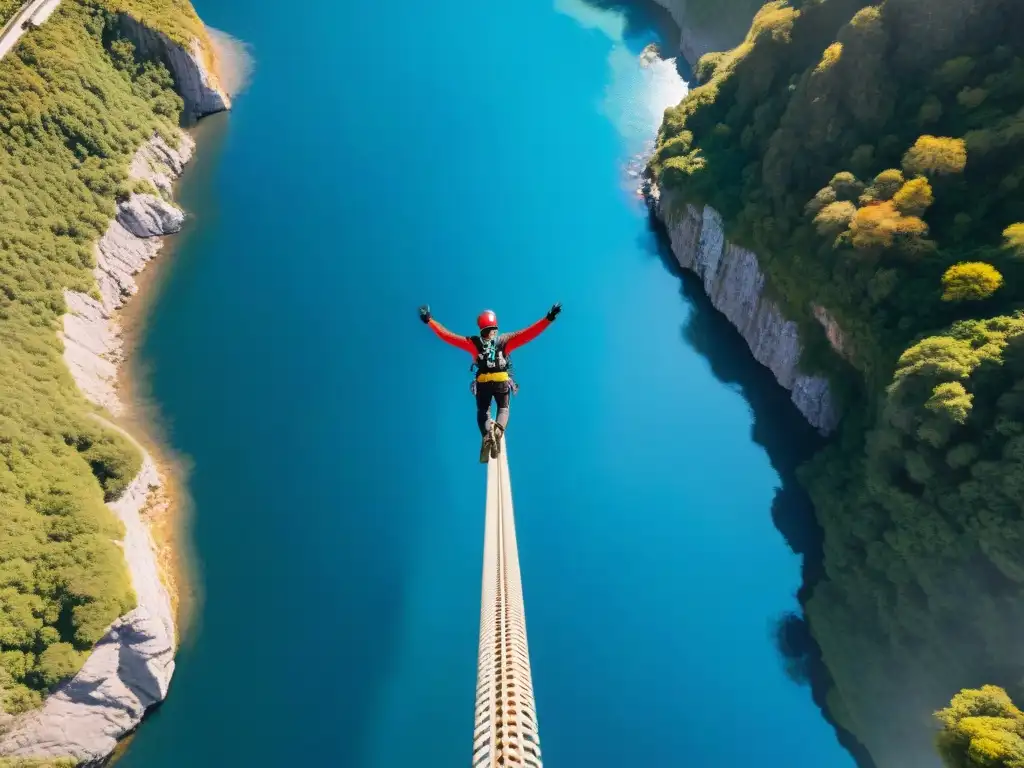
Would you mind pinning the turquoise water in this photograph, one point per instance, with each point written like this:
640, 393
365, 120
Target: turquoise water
468, 155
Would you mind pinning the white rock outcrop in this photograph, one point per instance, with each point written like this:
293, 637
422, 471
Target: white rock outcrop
148, 216
195, 83
735, 284
701, 32
130, 669
92, 346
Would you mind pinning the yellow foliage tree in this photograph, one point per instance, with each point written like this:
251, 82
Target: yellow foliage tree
775, 20
952, 400
970, 281
829, 58
914, 197
1014, 238
936, 155
981, 729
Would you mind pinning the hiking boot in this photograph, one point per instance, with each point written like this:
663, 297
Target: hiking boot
485, 447
496, 435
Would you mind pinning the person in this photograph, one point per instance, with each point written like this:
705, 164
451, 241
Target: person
491, 352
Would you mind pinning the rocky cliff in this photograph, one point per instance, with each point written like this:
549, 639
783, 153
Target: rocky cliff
130, 668
706, 26
128, 671
735, 284
92, 348
192, 68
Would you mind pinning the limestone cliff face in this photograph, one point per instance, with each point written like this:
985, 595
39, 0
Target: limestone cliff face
735, 284
701, 33
92, 347
130, 668
194, 81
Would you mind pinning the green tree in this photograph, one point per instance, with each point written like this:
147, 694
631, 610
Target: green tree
972, 98
58, 663
931, 110
954, 73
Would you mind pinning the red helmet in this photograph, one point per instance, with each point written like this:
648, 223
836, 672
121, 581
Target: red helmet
487, 319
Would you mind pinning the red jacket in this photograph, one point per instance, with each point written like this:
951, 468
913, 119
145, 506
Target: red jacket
509, 341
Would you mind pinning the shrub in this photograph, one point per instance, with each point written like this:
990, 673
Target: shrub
936, 155
970, 281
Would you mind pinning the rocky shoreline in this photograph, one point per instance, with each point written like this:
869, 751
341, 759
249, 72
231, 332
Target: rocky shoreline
733, 280
130, 668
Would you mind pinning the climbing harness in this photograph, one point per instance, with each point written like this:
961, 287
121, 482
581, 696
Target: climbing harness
491, 364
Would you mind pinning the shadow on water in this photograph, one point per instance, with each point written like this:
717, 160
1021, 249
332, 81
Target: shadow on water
788, 441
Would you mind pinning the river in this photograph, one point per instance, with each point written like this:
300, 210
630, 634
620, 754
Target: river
466, 155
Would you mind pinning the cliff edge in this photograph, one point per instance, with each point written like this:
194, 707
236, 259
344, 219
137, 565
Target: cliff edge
735, 284
706, 26
129, 670
193, 67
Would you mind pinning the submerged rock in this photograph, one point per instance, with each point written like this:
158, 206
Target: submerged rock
650, 54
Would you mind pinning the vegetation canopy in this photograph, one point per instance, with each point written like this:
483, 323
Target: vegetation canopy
872, 155
981, 729
76, 104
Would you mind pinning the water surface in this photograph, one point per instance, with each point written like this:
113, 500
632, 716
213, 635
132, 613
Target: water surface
468, 155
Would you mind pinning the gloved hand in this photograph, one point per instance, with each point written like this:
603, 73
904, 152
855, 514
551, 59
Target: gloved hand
553, 312
425, 313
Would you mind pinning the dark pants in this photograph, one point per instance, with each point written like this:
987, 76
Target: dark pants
485, 391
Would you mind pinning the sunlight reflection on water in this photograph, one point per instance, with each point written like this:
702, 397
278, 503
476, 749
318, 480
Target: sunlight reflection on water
637, 94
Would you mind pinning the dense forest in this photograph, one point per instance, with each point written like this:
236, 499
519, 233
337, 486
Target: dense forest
872, 155
75, 104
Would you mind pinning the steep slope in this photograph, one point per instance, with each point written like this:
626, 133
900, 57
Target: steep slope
870, 156
710, 25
